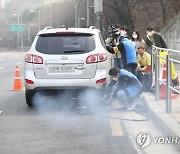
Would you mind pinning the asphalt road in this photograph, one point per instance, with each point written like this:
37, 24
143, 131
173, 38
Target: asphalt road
52, 128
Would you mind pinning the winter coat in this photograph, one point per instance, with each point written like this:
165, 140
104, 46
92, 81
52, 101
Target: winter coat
159, 41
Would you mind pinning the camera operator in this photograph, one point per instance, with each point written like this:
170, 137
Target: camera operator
113, 40
127, 49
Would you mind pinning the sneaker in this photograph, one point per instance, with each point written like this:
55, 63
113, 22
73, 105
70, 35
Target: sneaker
132, 106
175, 81
122, 106
119, 107
177, 88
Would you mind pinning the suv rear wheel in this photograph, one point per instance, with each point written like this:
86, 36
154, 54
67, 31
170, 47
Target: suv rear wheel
29, 97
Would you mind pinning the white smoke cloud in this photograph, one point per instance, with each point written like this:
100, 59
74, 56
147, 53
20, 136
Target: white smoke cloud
68, 102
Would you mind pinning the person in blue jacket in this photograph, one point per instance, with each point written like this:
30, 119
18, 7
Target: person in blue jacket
127, 48
127, 88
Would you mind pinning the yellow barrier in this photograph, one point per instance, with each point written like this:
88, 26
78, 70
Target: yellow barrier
163, 54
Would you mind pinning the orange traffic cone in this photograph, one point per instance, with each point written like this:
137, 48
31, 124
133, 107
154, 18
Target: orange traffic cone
163, 87
17, 80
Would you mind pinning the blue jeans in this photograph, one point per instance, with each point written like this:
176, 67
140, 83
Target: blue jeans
118, 63
121, 95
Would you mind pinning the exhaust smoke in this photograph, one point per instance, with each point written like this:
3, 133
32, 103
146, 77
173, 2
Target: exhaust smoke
68, 102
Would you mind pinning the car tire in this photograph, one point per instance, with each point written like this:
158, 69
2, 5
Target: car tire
29, 94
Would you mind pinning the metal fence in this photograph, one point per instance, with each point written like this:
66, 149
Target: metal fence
157, 71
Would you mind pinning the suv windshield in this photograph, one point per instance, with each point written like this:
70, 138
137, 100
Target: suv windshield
65, 44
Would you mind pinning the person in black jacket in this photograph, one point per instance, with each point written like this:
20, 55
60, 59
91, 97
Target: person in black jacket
127, 88
128, 51
154, 38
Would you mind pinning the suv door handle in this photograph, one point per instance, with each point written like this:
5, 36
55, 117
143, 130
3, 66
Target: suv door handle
80, 67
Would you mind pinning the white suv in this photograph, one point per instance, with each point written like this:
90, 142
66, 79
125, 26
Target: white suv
66, 58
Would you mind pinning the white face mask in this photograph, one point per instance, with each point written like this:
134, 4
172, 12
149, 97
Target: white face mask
123, 33
134, 36
117, 33
149, 33
115, 79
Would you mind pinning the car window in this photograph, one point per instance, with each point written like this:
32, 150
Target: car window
65, 44
102, 41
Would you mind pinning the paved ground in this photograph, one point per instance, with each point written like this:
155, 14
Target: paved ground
175, 110
32, 129
169, 123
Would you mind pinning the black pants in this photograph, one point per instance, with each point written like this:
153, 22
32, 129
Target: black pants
145, 79
131, 68
140, 76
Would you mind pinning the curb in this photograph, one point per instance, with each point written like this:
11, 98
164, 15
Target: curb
162, 120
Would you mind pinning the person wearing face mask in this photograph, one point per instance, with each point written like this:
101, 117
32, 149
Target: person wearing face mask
136, 38
118, 60
127, 89
154, 38
127, 49
115, 41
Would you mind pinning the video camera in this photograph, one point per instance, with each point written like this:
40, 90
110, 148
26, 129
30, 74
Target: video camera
112, 36
113, 32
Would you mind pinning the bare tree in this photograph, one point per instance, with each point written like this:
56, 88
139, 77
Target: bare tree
176, 5
163, 12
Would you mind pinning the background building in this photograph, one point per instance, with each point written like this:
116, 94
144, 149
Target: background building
171, 33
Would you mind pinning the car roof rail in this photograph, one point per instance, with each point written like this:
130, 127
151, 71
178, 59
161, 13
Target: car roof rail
48, 27
62, 26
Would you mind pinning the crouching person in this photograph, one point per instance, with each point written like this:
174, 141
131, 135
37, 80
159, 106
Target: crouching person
127, 88
144, 68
